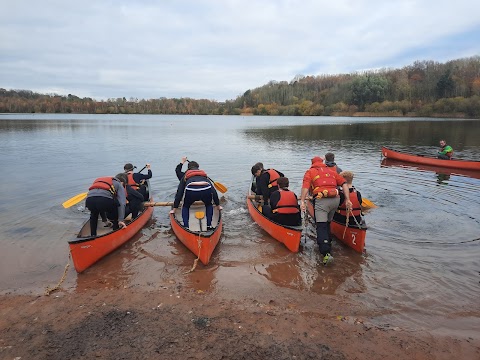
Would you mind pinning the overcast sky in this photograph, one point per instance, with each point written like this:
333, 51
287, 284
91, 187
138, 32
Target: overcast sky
206, 49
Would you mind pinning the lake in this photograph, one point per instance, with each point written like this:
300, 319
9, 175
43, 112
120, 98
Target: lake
421, 268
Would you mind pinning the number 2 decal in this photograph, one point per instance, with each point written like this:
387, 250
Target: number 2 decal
353, 239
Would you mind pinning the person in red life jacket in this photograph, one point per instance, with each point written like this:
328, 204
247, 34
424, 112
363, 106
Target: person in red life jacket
107, 195
196, 186
136, 180
322, 181
283, 208
265, 181
355, 216
330, 162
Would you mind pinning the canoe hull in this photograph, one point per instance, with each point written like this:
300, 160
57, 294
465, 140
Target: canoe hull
290, 236
351, 236
200, 242
452, 164
86, 251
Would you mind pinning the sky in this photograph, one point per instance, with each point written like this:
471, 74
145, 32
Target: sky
218, 49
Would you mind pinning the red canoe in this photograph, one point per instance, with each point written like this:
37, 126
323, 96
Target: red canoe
351, 235
87, 250
418, 159
290, 236
196, 237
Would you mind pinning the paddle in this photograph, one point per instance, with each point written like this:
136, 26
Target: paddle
74, 200
200, 215
77, 198
368, 204
219, 186
169, 203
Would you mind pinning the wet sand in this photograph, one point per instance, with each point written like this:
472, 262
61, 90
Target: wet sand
120, 322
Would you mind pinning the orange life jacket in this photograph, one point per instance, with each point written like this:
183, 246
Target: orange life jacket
288, 203
191, 173
132, 182
104, 183
356, 206
274, 176
323, 183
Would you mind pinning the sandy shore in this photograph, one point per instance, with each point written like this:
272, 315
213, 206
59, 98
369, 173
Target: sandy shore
176, 322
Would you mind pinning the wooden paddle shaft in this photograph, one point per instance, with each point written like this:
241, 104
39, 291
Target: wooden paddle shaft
169, 203
255, 197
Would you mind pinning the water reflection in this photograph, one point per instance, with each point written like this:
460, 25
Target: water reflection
443, 174
419, 134
305, 270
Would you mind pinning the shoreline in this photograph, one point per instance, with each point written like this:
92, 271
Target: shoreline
125, 323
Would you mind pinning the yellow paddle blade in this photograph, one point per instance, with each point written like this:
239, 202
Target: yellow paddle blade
220, 187
199, 215
368, 204
74, 200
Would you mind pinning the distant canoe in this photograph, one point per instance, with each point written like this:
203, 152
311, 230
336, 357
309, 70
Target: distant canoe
425, 160
350, 235
87, 250
196, 237
290, 236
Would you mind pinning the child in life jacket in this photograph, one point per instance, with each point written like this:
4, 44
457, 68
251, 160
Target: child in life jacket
355, 197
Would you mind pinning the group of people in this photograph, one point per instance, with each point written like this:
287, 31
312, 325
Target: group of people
114, 198
329, 188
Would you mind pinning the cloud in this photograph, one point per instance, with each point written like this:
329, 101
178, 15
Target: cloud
218, 49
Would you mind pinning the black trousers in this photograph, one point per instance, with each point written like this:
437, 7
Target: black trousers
134, 206
100, 204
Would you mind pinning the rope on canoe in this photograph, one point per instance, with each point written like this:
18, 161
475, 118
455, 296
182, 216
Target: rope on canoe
195, 262
48, 289
346, 222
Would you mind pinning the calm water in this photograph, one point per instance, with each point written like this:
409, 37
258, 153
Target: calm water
422, 263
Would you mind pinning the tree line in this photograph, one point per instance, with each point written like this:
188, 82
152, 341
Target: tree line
425, 88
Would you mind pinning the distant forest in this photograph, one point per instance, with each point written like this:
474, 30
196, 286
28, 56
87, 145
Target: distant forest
425, 88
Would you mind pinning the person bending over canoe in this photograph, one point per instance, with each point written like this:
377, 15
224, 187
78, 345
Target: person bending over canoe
107, 195
283, 208
266, 181
322, 182
196, 186
356, 199
446, 151
136, 180
330, 162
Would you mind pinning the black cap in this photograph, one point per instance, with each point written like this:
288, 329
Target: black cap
129, 167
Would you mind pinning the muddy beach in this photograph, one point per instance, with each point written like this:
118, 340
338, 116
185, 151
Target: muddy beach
174, 322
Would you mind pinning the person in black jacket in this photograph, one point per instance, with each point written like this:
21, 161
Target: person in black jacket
266, 181
178, 170
135, 200
196, 186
